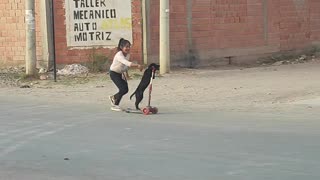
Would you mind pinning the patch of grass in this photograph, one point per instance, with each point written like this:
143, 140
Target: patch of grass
97, 62
315, 51
25, 77
310, 52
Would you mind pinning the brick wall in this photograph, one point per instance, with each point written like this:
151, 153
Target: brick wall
236, 30
220, 31
294, 24
315, 19
12, 32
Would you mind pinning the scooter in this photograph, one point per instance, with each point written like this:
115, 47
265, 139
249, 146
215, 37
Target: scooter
150, 109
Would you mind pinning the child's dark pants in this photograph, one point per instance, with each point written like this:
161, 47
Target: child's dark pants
121, 84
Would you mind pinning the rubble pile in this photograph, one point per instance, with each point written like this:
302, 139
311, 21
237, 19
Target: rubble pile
73, 69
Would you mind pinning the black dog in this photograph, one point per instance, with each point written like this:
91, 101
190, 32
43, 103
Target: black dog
144, 83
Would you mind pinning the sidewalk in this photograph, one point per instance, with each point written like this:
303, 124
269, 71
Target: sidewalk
259, 89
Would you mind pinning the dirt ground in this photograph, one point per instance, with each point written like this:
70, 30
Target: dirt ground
272, 89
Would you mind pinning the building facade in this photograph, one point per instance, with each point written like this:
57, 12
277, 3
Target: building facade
202, 32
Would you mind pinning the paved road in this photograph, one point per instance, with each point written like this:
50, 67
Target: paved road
40, 141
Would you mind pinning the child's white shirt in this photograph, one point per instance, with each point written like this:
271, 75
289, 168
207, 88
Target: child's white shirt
120, 63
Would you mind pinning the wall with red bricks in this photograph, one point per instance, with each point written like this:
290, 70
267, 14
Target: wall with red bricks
295, 29
315, 19
178, 30
237, 31
12, 35
12, 32
218, 31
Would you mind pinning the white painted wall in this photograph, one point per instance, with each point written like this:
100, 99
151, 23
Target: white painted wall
93, 23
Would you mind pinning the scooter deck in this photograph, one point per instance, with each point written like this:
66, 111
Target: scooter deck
129, 110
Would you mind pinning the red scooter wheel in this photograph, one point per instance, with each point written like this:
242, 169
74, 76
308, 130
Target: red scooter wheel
146, 111
154, 110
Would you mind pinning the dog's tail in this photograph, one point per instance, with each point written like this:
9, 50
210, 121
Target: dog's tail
132, 94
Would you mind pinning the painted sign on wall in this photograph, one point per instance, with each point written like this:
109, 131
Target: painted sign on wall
98, 22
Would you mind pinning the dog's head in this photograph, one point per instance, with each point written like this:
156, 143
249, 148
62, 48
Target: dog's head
154, 65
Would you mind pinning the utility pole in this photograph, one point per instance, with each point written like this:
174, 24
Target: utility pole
46, 32
164, 55
145, 25
31, 58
